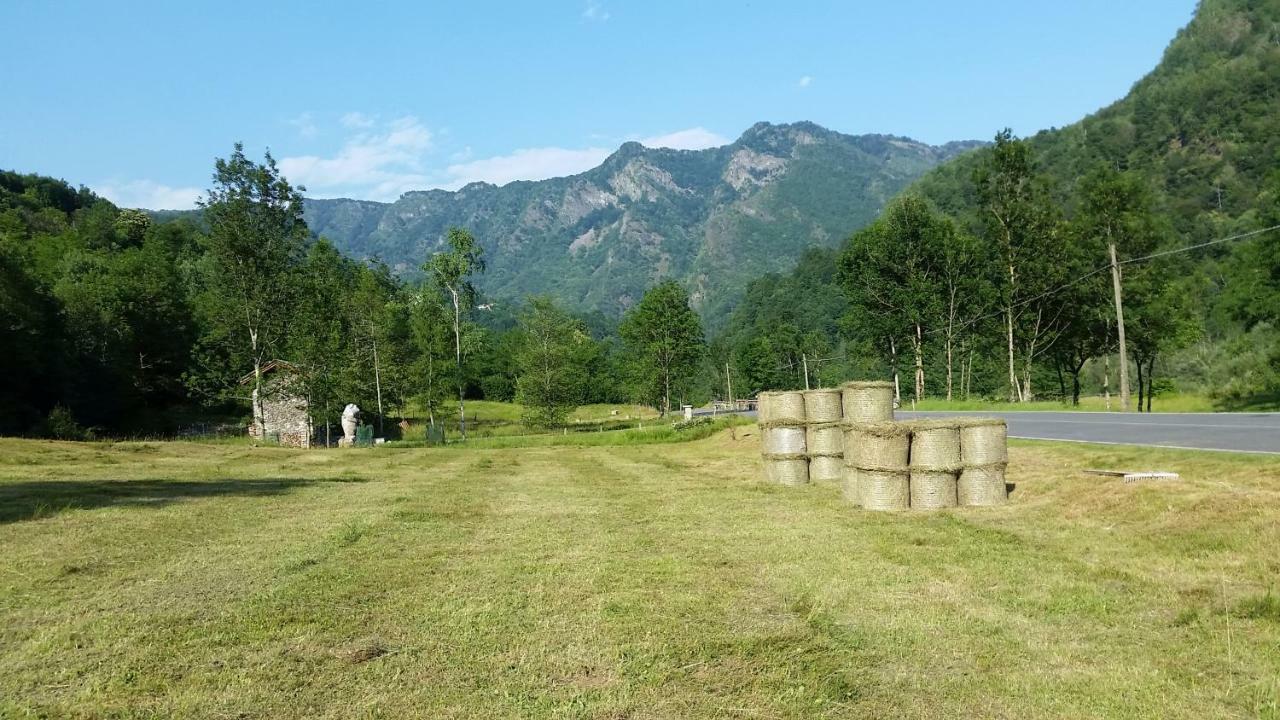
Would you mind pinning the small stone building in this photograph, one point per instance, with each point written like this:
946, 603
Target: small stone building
286, 415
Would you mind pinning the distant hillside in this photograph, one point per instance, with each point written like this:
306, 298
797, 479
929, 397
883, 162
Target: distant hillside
713, 219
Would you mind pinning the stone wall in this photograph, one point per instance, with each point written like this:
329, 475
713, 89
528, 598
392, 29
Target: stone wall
284, 413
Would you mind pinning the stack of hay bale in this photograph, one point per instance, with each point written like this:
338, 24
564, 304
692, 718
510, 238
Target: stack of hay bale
984, 455
823, 435
850, 436
781, 416
875, 448
924, 464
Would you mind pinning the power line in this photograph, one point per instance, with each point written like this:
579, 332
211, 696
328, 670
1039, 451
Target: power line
1092, 273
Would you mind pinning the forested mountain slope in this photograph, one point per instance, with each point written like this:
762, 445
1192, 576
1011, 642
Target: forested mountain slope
1203, 127
712, 219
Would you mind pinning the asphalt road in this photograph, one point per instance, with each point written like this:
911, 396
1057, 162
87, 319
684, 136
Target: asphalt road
1235, 432
1240, 432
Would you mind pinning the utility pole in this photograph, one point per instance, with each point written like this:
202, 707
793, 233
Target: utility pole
805, 359
728, 384
1124, 351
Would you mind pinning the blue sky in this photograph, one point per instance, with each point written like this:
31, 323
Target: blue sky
368, 100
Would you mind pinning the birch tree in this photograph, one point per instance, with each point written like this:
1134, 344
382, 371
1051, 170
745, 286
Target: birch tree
451, 270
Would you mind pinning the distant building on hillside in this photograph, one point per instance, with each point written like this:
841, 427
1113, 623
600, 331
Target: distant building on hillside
286, 414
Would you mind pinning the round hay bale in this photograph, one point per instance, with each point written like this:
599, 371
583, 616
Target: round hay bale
984, 441
826, 469
849, 487
867, 402
783, 407
825, 439
789, 470
878, 446
932, 490
787, 439
884, 490
764, 408
982, 486
822, 406
935, 446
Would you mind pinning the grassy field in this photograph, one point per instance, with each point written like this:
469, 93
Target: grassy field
666, 581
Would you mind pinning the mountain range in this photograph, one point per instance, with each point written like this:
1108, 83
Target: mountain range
712, 219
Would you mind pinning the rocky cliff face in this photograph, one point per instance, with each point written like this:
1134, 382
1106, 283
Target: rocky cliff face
712, 219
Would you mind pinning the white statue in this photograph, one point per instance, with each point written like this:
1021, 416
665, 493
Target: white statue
350, 414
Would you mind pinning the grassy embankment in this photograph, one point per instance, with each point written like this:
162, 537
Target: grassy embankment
199, 580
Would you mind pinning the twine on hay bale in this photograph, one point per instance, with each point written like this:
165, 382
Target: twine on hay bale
784, 439
935, 446
984, 441
787, 469
782, 407
867, 402
849, 486
825, 439
884, 490
931, 490
982, 486
823, 405
826, 468
877, 446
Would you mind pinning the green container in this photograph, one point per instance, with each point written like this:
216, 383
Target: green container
435, 435
364, 436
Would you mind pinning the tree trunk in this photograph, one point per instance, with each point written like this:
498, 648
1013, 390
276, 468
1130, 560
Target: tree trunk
893, 359
1124, 352
1106, 380
949, 367
1141, 386
967, 379
1151, 380
666, 391
377, 382
457, 349
918, 348
1015, 389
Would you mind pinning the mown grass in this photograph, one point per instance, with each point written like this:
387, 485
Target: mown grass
193, 580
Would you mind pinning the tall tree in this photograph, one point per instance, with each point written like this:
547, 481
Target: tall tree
1022, 223
255, 240
371, 303
1117, 219
552, 361
452, 270
432, 343
664, 336
893, 273
320, 336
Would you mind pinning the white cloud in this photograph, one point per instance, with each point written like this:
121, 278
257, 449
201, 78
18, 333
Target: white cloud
306, 125
525, 164
149, 195
382, 160
357, 120
805, 81
378, 164
595, 12
697, 138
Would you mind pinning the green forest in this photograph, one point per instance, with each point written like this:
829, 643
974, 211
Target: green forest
1000, 275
